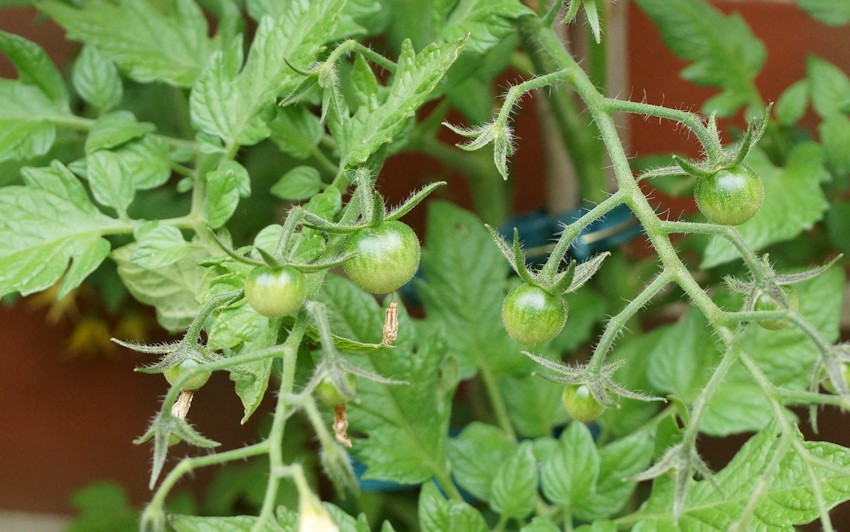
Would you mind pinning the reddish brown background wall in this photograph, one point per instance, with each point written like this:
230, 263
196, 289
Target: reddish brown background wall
65, 422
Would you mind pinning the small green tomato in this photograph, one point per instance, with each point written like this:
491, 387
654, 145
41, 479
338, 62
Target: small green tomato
386, 257
533, 316
275, 292
766, 303
329, 394
731, 196
195, 382
580, 403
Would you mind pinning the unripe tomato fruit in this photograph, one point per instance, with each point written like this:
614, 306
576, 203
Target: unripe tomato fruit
731, 196
195, 382
580, 403
533, 316
329, 394
275, 292
767, 303
386, 257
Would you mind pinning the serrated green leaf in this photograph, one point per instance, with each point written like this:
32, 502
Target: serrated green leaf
406, 425
228, 101
110, 184
437, 513
46, 224
30, 103
514, 491
158, 245
568, 476
472, 455
462, 266
723, 50
296, 131
788, 498
300, 183
114, 129
830, 12
103, 506
171, 289
151, 41
415, 78
829, 87
534, 404
793, 202
248, 332
96, 79
792, 103
786, 357
486, 21
684, 357
618, 462
835, 138
224, 187
364, 84
837, 221
35, 68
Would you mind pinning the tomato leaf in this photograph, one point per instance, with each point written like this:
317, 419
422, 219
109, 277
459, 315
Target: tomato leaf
723, 50
151, 41
158, 245
96, 79
171, 289
788, 497
461, 267
792, 103
225, 185
296, 131
302, 182
229, 98
472, 455
569, 475
827, 11
381, 122
437, 513
793, 202
406, 425
829, 86
46, 224
28, 104
486, 21
514, 490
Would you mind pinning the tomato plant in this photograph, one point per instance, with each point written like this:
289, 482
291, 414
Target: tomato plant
730, 196
384, 257
236, 175
533, 316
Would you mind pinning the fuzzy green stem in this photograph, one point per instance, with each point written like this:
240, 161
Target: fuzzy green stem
572, 231
616, 323
275, 438
494, 392
586, 151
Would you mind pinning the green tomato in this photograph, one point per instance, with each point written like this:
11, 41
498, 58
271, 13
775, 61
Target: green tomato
766, 303
731, 196
845, 371
580, 403
275, 292
533, 316
329, 394
195, 382
385, 258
